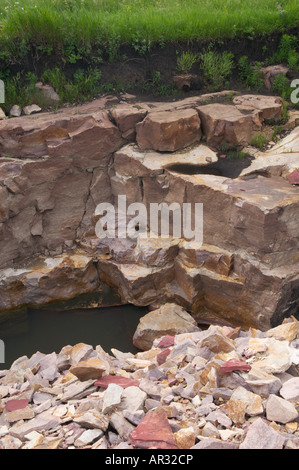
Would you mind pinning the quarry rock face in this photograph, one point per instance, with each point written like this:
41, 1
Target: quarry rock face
57, 167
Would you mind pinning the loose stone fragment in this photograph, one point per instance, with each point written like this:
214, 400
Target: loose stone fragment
123, 382
89, 369
153, 432
92, 419
212, 443
185, 438
112, 397
261, 436
290, 390
280, 410
234, 364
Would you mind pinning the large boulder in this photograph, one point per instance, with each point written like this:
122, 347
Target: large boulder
169, 130
126, 117
170, 319
268, 107
226, 124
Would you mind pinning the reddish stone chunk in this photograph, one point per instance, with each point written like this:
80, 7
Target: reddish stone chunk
153, 431
234, 364
166, 341
13, 405
161, 357
114, 379
294, 177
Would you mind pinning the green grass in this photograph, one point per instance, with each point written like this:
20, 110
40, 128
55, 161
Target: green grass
79, 24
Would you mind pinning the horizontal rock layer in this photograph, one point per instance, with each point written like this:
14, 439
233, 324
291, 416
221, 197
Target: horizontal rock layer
56, 168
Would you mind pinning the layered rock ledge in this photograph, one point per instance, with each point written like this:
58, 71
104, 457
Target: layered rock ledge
57, 167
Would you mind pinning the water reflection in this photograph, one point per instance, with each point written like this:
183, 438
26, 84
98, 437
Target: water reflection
48, 330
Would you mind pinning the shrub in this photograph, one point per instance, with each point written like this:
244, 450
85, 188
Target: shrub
186, 61
216, 67
259, 140
250, 74
287, 52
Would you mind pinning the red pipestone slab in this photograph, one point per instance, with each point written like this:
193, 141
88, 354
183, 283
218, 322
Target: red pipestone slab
294, 177
15, 404
234, 364
153, 431
166, 341
161, 357
114, 379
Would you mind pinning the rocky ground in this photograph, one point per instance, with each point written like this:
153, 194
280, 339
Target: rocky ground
214, 388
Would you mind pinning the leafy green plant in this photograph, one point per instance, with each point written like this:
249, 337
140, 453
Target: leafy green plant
259, 140
216, 67
141, 45
113, 47
186, 61
16, 90
287, 52
250, 74
277, 130
83, 86
281, 85
157, 87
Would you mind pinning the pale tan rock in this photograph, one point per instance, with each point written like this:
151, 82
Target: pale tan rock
31, 109
18, 415
276, 358
92, 420
291, 427
235, 409
2, 114
217, 342
80, 352
88, 369
169, 319
285, 332
185, 438
254, 405
280, 410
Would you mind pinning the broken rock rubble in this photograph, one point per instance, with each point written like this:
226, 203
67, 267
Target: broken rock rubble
217, 388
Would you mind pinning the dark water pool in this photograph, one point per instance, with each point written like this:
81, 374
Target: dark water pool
229, 167
48, 330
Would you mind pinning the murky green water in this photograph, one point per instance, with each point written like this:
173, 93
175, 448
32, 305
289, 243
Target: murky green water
48, 330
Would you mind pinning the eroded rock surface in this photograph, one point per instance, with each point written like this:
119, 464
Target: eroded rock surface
57, 167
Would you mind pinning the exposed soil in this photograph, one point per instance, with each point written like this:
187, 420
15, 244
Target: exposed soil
132, 71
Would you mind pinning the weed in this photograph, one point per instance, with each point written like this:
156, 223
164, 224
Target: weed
281, 85
250, 74
287, 52
141, 45
113, 47
157, 87
277, 130
84, 85
186, 61
259, 140
216, 67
